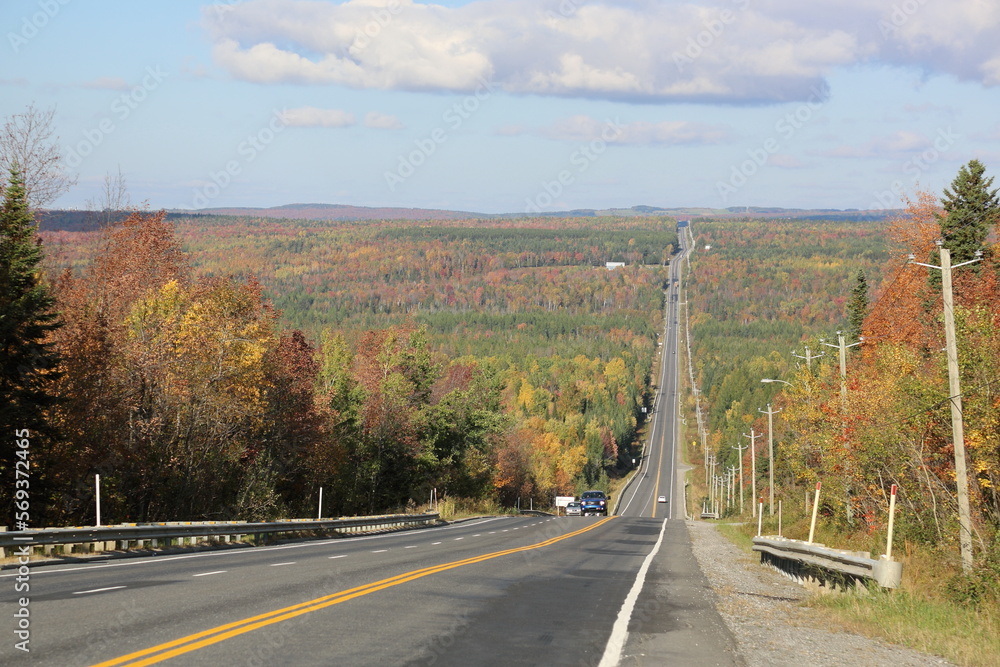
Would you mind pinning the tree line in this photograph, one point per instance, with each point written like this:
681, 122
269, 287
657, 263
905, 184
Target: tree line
888, 422
181, 385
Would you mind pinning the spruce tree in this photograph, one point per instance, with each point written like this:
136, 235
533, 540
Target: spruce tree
27, 360
971, 208
857, 306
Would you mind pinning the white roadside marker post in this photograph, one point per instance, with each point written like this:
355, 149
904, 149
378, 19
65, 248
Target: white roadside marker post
812, 525
892, 518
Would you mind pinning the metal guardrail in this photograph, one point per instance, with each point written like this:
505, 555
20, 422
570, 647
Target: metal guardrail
805, 561
186, 529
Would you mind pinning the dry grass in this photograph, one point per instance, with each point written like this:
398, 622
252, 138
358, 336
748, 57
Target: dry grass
963, 635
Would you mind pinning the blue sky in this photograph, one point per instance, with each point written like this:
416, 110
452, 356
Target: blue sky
510, 105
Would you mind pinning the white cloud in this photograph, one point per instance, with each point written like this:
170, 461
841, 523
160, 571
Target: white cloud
637, 50
381, 121
785, 161
585, 128
894, 145
313, 117
106, 83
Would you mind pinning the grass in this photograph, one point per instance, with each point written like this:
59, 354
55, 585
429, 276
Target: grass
964, 635
736, 534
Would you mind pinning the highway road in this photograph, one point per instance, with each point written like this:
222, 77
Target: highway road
657, 475
492, 591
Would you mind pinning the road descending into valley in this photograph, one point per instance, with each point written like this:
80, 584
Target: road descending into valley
623, 589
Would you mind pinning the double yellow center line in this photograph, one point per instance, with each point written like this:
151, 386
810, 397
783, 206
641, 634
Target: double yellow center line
177, 647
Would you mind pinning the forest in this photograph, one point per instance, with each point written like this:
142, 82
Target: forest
767, 291
221, 367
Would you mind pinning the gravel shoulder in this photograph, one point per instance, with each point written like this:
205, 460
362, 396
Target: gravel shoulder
763, 611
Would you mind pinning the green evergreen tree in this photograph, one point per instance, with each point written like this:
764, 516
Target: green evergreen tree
971, 208
27, 361
857, 306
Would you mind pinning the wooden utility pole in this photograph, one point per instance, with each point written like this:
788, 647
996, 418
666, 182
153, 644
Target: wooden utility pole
957, 425
770, 455
809, 357
955, 398
740, 450
753, 467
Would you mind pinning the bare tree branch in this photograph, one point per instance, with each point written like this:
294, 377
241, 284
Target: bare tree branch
26, 143
114, 203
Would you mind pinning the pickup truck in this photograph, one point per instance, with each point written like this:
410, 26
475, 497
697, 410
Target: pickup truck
594, 502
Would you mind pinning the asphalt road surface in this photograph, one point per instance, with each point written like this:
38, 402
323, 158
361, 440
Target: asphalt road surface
497, 591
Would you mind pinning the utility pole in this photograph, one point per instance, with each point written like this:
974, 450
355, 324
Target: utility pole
955, 391
770, 455
753, 468
740, 450
842, 347
710, 468
732, 485
809, 357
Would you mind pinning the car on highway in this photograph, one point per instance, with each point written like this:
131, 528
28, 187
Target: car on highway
594, 502
573, 509
661, 499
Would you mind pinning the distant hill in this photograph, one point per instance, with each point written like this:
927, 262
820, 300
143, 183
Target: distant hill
341, 212
72, 220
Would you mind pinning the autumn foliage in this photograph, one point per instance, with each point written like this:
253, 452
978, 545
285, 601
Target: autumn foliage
892, 423
486, 360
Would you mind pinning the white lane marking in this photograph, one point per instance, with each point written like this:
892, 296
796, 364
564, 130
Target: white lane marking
208, 574
280, 564
435, 543
380, 551
412, 546
619, 632
159, 560
493, 532
340, 556
98, 590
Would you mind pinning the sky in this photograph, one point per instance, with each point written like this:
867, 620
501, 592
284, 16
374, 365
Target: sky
507, 106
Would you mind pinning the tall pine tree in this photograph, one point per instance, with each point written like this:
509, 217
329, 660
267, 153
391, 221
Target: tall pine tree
857, 306
971, 208
27, 361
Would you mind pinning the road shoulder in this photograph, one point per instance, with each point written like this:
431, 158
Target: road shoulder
763, 611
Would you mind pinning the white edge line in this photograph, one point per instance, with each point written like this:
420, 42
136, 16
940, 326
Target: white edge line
98, 590
280, 564
619, 632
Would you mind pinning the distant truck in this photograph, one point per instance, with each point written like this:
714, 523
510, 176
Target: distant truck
594, 502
